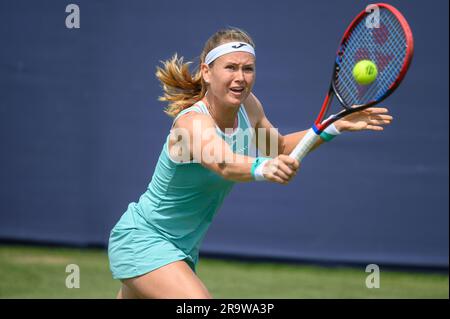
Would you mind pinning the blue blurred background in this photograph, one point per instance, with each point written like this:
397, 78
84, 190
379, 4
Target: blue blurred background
81, 129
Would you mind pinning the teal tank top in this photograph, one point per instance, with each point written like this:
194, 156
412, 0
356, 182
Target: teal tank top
182, 198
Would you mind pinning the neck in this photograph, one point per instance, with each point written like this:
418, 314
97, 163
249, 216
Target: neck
224, 116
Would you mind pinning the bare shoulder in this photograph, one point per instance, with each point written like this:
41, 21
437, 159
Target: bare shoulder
254, 109
185, 129
187, 120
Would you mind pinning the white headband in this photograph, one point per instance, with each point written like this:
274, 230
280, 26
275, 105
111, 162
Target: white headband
228, 48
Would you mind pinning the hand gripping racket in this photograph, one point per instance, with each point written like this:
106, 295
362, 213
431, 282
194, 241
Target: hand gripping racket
383, 37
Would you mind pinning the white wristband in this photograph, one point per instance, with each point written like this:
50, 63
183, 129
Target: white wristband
259, 176
332, 130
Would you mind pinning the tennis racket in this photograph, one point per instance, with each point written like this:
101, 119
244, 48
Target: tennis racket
383, 37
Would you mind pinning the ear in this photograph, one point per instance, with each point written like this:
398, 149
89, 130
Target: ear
206, 72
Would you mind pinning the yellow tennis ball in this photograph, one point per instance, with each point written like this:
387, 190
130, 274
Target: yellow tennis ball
365, 72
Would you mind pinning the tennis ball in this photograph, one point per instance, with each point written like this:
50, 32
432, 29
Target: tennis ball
365, 72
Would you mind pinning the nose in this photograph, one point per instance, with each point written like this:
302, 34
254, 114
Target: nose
240, 75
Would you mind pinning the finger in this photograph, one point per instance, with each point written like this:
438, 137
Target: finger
377, 110
286, 159
379, 122
291, 162
296, 164
275, 169
294, 170
374, 128
286, 169
381, 117
277, 179
281, 175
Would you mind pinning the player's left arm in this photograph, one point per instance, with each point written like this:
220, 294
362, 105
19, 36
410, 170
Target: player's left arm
269, 140
373, 118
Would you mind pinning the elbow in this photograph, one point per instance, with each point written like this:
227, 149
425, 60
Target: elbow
224, 170
229, 172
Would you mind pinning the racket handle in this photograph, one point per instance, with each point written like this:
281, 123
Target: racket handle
305, 145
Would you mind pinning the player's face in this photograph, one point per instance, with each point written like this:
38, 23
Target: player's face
231, 77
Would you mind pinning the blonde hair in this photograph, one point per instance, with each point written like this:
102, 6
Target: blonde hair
182, 88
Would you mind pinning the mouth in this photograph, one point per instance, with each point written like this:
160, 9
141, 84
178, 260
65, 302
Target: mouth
237, 90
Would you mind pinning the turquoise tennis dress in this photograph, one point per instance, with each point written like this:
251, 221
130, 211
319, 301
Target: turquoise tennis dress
171, 218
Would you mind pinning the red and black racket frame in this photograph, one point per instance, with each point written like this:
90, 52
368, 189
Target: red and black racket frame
319, 124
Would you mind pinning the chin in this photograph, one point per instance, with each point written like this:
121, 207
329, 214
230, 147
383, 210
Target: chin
233, 100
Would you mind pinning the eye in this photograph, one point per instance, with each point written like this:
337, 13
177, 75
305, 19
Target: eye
230, 67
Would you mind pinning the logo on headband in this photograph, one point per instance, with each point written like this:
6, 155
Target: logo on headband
237, 46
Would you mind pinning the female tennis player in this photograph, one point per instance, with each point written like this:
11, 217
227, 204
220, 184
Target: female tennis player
154, 247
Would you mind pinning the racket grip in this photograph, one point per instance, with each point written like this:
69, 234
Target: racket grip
305, 145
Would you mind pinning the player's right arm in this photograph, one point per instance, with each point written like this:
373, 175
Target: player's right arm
195, 133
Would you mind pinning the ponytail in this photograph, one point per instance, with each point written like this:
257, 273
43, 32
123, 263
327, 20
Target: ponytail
181, 88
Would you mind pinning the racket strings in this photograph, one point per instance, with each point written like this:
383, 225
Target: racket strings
363, 94
363, 52
386, 46
396, 55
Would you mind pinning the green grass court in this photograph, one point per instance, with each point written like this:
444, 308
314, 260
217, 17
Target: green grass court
40, 272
